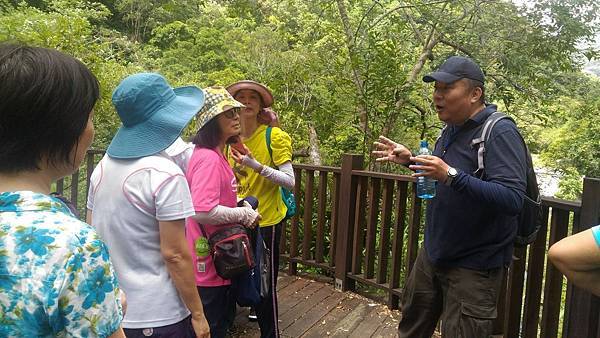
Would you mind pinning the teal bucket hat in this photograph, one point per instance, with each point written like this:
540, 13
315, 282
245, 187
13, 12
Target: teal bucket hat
153, 114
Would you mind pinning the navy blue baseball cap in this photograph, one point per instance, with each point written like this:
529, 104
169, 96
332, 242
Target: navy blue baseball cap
454, 69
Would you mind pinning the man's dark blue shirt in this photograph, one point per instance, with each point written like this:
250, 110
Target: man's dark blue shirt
472, 223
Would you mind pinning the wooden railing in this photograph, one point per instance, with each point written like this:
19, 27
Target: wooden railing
367, 229
364, 228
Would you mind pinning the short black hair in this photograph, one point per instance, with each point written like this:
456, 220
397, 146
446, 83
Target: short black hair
474, 84
46, 98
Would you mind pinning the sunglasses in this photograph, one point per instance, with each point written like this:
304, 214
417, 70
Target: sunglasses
231, 113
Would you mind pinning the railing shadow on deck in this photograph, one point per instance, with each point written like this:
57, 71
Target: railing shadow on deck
364, 228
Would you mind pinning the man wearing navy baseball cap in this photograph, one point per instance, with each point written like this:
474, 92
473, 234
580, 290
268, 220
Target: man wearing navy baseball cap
471, 223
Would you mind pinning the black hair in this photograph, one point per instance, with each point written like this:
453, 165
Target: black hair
474, 84
46, 98
210, 134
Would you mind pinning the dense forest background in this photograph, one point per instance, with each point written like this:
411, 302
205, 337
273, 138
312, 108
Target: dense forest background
345, 71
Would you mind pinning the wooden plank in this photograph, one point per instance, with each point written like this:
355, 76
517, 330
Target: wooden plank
370, 323
317, 167
292, 288
329, 323
385, 176
284, 280
60, 186
321, 211
350, 321
553, 287
242, 327
535, 275
311, 318
414, 223
398, 242
374, 193
294, 224
306, 304
291, 300
514, 293
75, 189
556, 203
359, 230
308, 214
334, 218
389, 328
384, 232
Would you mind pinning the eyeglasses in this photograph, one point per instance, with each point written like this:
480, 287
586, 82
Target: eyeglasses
231, 113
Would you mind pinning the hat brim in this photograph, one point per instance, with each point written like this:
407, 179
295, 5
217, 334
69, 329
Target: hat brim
441, 77
161, 129
263, 91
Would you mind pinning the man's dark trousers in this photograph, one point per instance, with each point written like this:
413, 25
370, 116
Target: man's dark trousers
464, 299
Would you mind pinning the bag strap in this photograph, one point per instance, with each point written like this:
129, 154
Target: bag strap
268, 139
486, 131
202, 230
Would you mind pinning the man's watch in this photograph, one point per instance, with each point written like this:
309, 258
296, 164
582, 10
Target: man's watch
452, 173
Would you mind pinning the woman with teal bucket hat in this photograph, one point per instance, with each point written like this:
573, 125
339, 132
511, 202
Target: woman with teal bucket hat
138, 201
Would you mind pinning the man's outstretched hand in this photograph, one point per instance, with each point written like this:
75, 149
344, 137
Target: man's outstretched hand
387, 150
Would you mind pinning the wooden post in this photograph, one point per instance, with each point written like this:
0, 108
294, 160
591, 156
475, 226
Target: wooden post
581, 317
308, 214
75, 189
345, 225
293, 266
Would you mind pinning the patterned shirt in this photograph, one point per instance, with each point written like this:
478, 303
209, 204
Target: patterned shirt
55, 275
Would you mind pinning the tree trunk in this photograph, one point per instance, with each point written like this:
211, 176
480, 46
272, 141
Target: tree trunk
314, 148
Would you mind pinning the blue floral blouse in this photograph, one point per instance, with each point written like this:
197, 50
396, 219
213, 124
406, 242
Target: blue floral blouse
55, 275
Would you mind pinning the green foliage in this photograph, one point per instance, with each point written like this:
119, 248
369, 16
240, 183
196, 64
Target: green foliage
348, 79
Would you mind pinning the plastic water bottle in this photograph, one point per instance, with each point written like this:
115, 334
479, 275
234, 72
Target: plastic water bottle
425, 185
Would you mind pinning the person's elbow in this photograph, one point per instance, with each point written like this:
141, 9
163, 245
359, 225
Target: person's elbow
290, 185
557, 254
514, 203
175, 254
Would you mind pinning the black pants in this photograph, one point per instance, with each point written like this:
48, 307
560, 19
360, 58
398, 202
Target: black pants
219, 308
464, 299
267, 311
182, 329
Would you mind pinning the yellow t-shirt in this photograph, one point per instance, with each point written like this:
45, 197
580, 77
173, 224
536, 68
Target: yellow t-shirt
250, 183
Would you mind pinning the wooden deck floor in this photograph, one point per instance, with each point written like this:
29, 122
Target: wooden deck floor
315, 309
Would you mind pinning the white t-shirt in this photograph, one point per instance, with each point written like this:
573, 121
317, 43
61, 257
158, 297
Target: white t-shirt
128, 198
180, 152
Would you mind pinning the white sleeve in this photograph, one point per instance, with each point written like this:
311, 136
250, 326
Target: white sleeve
225, 215
172, 199
282, 176
95, 179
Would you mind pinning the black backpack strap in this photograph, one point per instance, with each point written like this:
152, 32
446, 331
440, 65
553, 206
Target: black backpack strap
486, 131
441, 133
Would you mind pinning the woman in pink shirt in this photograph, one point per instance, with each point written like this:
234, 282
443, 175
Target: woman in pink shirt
213, 187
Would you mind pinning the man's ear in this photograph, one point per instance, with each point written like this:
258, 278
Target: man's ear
476, 94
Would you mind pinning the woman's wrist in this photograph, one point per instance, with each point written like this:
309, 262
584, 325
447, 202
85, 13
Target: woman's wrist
252, 163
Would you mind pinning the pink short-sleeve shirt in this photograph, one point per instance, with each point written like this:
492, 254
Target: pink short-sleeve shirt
212, 183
